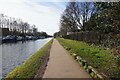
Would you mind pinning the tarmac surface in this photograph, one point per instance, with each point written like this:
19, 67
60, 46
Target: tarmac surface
62, 65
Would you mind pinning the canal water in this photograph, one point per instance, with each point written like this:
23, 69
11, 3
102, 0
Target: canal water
14, 54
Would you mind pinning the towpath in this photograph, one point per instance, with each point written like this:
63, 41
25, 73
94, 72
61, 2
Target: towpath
62, 65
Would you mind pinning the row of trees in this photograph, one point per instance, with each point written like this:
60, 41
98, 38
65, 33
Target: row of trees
16, 25
86, 16
19, 27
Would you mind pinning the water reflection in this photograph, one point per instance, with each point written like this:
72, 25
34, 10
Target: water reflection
0, 61
15, 54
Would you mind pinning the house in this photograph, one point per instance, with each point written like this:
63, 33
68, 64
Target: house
4, 31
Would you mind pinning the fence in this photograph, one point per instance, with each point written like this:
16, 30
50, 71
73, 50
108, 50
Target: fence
97, 38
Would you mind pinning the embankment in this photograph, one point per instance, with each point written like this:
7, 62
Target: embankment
31, 66
99, 58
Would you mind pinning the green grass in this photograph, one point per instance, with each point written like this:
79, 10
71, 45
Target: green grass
30, 67
99, 58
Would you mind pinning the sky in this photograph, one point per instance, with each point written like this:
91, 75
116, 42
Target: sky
45, 14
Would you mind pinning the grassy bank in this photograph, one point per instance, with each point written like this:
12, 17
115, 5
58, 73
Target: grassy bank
99, 58
30, 67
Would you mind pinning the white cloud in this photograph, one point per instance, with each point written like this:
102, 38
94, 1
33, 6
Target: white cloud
46, 18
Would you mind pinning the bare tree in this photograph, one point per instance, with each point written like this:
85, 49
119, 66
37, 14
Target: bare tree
87, 9
76, 15
16, 25
70, 19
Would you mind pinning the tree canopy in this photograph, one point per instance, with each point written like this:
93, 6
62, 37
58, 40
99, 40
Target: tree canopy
91, 16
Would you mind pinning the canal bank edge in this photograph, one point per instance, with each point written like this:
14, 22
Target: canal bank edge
31, 66
93, 72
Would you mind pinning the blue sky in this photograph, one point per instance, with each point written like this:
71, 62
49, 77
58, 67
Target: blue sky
44, 14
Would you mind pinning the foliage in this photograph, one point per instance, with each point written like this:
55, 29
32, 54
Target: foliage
96, 16
107, 20
31, 66
100, 58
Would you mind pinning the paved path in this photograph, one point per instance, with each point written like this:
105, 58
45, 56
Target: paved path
62, 65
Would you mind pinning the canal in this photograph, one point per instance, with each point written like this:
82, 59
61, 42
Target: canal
14, 54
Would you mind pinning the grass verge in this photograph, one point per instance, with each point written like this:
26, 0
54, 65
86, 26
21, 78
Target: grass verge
30, 67
99, 58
